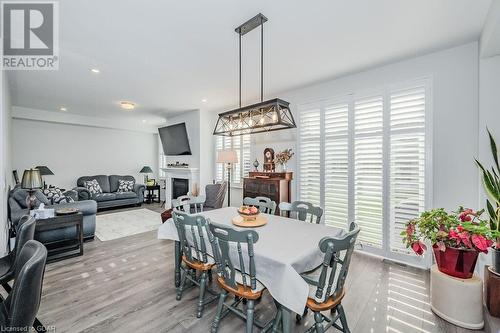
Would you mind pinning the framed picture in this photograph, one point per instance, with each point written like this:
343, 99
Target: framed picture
16, 177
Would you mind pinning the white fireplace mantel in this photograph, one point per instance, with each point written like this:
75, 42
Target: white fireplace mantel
191, 174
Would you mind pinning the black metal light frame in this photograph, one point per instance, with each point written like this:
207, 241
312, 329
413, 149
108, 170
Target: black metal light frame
265, 116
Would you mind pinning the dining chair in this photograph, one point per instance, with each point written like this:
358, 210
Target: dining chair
18, 310
232, 251
188, 204
302, 210
327, 282
193, 231
265, 205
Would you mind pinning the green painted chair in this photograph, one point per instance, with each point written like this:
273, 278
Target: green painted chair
301, 210
265, 205
326, 283
193, 231
189, 204
236, 278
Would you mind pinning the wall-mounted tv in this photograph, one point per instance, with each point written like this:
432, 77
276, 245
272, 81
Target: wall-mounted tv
174, 140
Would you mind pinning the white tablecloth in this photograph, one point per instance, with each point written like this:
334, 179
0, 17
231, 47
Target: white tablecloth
286, 247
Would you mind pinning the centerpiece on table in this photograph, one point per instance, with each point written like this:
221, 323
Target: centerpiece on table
248, 213
283, 157
456, 238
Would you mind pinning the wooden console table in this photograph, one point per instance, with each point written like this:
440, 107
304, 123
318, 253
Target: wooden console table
274, 185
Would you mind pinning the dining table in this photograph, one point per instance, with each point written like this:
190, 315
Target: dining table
286, 248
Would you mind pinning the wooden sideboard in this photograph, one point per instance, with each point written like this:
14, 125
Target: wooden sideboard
274, 185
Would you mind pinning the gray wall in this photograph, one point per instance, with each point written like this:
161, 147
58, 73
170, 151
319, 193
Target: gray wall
5, 162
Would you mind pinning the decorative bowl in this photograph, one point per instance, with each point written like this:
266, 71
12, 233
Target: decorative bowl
248, 213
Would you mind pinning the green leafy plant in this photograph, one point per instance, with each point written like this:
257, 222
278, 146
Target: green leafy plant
463, 229
491, 184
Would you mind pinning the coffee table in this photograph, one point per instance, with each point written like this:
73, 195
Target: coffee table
63, 249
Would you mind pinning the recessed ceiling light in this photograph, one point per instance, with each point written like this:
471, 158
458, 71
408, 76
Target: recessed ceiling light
95, 70
144, 120
204, 100
62, 108
127, 105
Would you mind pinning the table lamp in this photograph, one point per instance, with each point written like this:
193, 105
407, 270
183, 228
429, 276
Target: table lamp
32, 180
44, 171
228, 157
145, 169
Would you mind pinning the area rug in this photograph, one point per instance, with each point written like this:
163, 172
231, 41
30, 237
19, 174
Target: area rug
123, 224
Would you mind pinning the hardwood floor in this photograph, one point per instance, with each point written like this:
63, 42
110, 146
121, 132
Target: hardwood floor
126, 285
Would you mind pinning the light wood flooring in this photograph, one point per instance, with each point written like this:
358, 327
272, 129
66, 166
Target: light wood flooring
127, 285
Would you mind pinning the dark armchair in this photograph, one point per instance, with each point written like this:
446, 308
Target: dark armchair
215, 195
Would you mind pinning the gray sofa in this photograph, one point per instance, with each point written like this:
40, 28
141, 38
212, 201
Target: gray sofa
110, 196
18, 208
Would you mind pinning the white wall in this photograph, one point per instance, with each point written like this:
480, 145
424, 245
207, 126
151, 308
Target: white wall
71, 151
454, 75
5, 162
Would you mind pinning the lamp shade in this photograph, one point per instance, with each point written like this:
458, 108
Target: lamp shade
44, 170
227, 156
31, 179
146, 169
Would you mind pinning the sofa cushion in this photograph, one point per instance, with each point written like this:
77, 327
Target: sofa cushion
125, 195
114, 182
55, 196
125, 185
101, 179
104, 197
93, 186
20, 196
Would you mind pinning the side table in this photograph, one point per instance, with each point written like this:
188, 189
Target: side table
63, 249
459, 301
150, 197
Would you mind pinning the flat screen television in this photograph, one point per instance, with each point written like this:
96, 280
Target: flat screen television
174, 140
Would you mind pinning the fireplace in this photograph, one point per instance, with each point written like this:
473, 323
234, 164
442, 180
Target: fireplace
180, 186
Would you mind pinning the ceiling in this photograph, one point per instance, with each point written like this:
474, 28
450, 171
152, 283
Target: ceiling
168, 56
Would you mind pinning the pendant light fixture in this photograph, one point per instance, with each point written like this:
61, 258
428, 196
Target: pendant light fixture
265, 116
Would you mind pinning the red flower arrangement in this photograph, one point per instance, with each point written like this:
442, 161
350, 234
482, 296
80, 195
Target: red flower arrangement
463, 229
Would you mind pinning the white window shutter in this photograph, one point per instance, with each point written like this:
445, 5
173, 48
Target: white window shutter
336, 165
219, 172
245, 152
309, 155
407, 161
236, 174
368, 169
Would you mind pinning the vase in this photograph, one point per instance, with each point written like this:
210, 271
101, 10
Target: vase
459, 263
283, 167
496, 260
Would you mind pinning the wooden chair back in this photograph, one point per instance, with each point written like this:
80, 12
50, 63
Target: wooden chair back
193, 231
264, 204
335, 266
188, 204
302, 210
224, 238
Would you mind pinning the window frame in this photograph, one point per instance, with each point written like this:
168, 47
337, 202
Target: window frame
350, 98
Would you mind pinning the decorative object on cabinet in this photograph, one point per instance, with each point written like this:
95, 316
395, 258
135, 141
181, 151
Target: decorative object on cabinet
277, 186
283, 157
269, 165
256, 165
265, 116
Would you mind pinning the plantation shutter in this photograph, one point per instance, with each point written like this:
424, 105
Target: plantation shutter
219, 172
407, 161
245, 153
336, 165
236, 174
309, 161
368, 169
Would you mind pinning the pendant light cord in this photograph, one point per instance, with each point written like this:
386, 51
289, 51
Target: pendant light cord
240, 66
261, 60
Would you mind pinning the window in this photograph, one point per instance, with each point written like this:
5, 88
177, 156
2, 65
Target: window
363, 158
239, 170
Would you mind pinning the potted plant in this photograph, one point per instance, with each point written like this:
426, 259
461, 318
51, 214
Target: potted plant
456, 238
491, 184
283, 157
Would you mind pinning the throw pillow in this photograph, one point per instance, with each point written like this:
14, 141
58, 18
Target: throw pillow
55, 196
125, 185
93, 186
